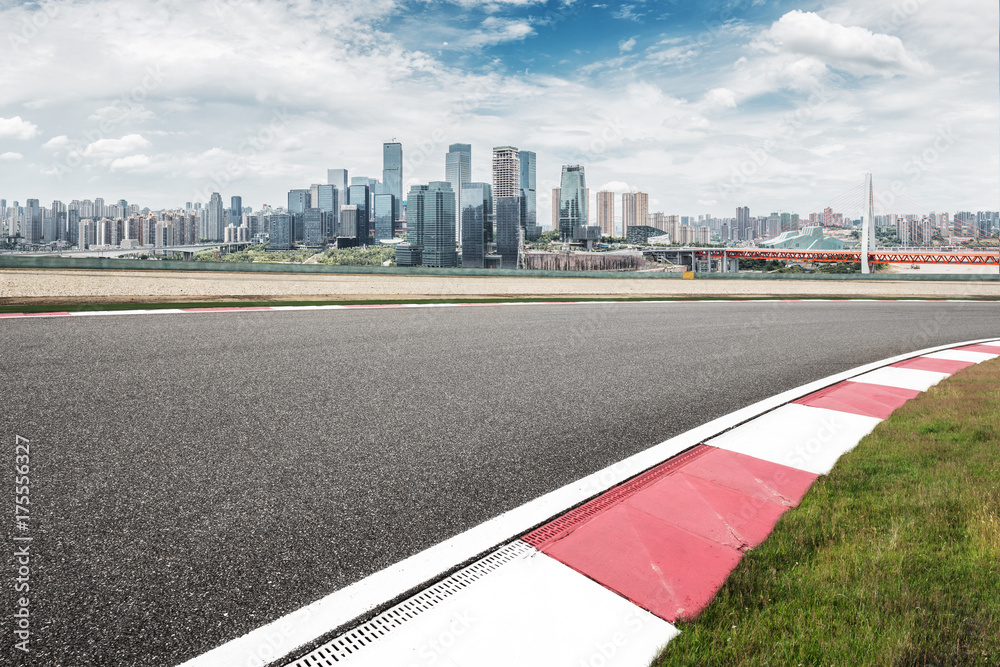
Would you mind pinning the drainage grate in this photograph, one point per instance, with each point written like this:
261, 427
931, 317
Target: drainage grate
352, 641
559, 528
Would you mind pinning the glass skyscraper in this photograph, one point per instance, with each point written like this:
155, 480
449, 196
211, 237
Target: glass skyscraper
385, 215
458, 172
298, 201
572, 200
477, 223
359, 195
392, 169
529, 214
328, 200
431, 208
339, 179
508, 216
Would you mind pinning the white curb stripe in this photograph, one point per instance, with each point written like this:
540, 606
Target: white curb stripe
963, 355
340, 608
532, 610
799, 436
903, 378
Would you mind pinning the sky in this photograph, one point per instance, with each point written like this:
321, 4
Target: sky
706, 106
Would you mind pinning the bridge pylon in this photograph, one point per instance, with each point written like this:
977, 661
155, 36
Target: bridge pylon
867, 225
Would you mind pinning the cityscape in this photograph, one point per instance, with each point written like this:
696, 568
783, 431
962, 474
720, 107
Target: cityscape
456, 222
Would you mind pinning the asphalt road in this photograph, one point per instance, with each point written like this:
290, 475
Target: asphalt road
196, 476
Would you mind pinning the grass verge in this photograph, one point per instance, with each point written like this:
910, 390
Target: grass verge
892, 559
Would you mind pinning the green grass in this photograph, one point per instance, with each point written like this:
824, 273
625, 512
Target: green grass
892, 559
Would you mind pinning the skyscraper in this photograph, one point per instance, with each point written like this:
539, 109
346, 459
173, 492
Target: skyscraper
572, 200
215, 219
477, 223
508, 217
506, 173
339, 179
529, 213
298, 201
392, 169
635, 210
360, 196
236, 211
31, 230
431, 210
458, 172
385, 215
606, 212
328, 200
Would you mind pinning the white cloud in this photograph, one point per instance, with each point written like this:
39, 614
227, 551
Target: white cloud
10, 157
496, 31
57, 142
627, 45
130, 163
17, 128
618, 187
852, 48
112, 147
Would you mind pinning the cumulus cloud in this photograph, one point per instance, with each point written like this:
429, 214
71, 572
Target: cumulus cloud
852, 48
10, 157
112, 147
496, 31
55, 143
17, 128
131, 162
627, 45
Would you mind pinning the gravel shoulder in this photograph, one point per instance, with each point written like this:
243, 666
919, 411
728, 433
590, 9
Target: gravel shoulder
35, 286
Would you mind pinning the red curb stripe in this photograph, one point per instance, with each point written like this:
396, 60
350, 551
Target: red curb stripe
860, 398
567, 523
669, 546
950, 366
42, 314
11, 314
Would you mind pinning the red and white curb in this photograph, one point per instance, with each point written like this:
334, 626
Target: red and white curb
650, 540
233, 309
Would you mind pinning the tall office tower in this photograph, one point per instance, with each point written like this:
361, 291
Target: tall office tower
298, 201
635, 209
385, 216
215, 219
280, 225
339, 178
606, 212
348, 228
508, 217
477, 223
555, 209
434, 204
529, 212
392, 169
458, 172
415, 216
328, 199
123, 208
72, 223
572, 200
360, 196
31, 230
236, 211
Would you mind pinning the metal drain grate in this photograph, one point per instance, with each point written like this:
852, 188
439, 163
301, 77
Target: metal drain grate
352, 641
558, 528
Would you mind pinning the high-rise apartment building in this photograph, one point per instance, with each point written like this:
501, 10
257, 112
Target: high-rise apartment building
572, 200
280, 231
214, 220
506, 176
477, 223
392, 169
606, 212
458, 172
635, 209
31, 230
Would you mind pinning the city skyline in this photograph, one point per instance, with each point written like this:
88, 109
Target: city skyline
715, 106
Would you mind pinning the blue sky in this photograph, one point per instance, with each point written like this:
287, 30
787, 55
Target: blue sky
706, 106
